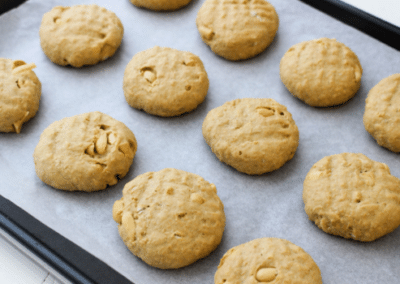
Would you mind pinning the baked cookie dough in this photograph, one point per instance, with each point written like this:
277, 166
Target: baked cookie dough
237, 30
170, 218
254, 136
161, 5
321, 72
86, 152
165, 81
352, 196
80, 35
20, 92
267, 260
382, 113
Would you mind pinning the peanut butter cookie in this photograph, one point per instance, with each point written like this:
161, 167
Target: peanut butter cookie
236, 29
267, 260
170, 218
161, 5
165, 81
80, 35
352, 196
254, 136
382, 113
85, 152
321, 72
20, 92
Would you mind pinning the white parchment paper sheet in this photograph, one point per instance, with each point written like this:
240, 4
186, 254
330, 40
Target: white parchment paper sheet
256, 206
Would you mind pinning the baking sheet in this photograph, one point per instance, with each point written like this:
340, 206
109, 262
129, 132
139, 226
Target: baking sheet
256, 206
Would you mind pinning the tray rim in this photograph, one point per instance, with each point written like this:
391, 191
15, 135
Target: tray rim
67, 258
359, 19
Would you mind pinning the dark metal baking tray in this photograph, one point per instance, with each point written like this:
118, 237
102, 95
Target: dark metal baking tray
81, 267
68, 259
361, 20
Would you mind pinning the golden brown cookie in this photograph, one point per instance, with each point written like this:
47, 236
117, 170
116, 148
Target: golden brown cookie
267, 260
382, 113
161, 5
80, 35
254, 136
165, 81
86, 152
352, 196
170, 218
20, 92
321, 72
236, 29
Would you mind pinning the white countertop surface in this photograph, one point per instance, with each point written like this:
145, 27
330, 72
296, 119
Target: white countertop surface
20, 266
387, 10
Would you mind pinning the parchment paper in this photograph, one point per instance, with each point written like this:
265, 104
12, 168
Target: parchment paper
256, 206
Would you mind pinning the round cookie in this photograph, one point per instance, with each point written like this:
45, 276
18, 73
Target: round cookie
352, 196
161, 5
382, 113
80, 35
254, 136
237, 30
86, 152
165, 81
321, 72
267, 260
20, 92
170, 218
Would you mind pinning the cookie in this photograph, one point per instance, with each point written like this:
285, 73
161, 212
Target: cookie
237, 30
254, 136
382, 113
321, 72
170, 218
165, 81
20, 92
86, 152
267, 260
161, 5
80, 35
352, 196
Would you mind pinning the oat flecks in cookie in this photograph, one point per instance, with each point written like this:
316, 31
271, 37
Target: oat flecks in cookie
237, 29
254, 136
20, 91
165, 82
267, 260
80, 35
85, 152
321, 72
382, 113
352, 196
161, 5
170, 218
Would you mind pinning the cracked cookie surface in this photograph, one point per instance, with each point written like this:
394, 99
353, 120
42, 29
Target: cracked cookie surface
352, 196
80, 35
254, 136
165, 82
85, 152
321, 72
237, 29
161, 5
170, 218
382, 113
267, 260
20, 91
